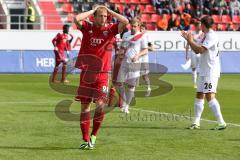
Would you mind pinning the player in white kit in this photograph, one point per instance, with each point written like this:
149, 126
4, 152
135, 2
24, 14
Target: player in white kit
209, 73
195, 57
145, 62
135, 46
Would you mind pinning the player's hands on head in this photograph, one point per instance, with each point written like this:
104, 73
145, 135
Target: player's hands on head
95, 7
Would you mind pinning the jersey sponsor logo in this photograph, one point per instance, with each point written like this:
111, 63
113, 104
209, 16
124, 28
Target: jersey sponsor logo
96, 41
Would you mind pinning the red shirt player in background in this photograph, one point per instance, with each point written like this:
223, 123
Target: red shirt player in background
94, 60
61, 44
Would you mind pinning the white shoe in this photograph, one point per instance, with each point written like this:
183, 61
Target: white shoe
148, 93
126, 111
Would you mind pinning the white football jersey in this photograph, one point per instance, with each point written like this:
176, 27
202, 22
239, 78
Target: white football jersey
209, 60
144, 58
133, 47
197, 37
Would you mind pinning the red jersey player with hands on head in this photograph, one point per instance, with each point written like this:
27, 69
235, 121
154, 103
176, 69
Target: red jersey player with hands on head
61, 44
94, 59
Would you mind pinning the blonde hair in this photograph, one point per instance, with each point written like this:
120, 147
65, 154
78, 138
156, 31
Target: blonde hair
136, 20
100, 9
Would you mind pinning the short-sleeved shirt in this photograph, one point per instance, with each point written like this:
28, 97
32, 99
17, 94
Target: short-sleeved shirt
62, 41
210, 61
134, 44
97, 42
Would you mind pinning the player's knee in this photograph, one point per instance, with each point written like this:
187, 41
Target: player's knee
85, 107
200, 95
100, 103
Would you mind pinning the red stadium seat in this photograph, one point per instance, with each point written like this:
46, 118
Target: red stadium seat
226, 19
224, 26
67, 7
236, 19
70, 17
124, 1
145, 18
149, 9
114, 1
151, 27
155, 17
133, 7
235, 27
120, 7
145, 1
135, 1
142, 8
214, 27
216, 18
62, 1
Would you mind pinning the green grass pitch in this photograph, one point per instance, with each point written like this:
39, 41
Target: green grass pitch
30, 129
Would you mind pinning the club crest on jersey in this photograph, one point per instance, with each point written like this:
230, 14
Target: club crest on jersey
105, 33
90, 32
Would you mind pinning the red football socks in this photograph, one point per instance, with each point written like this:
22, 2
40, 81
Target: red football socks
85, 125
97, 121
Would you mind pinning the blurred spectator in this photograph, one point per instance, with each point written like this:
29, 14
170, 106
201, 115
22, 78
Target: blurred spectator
222, 7
238, 28
229, 27
185, 22
162, 23
128, 13
208, 7
163, 6
234, 7
115, 9
219, 27
175, 7
31, 15
137, 11
173, 23
77, 6
188, 9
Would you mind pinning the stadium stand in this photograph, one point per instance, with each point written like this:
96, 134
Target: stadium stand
52, 19
185, 12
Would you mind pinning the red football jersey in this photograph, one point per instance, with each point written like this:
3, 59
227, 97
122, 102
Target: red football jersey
62, 42
96, 48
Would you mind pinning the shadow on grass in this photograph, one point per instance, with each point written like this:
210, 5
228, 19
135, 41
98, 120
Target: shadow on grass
38, 148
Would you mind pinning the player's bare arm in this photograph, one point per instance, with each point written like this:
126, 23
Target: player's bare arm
187, 49
123, 21
195, 47
83, 16
142, 53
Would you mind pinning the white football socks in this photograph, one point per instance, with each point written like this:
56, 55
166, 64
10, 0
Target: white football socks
198, 109
194, 76
215, 106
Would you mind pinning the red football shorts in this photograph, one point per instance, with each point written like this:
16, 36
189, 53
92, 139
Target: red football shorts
93, 87
58, 60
